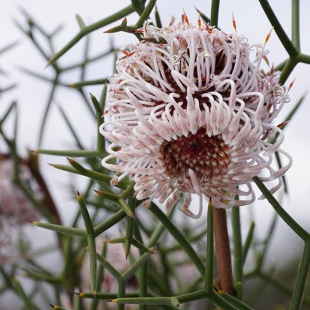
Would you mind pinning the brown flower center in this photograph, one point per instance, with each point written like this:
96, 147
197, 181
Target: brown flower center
207, 156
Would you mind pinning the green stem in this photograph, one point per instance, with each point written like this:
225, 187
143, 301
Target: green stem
238, 255
179, 237
44, 119
88, 60
86, 30
233, 301
90, 82
296, 301
41, 77
113, 220
79, 169
248, 242
210, 251
105, 296
214, 12
266, 243
177, 300
135, 266
121, 293
156, 235
73, 231
280, 66
71, 153
138, 6
71, 128
303, 234
157, 18
143, 273
90, 242
295, 24
100, 119
286, 42
287, 70
146, 13
20, 290
304, 58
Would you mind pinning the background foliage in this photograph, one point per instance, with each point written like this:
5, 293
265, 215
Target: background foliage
163, 250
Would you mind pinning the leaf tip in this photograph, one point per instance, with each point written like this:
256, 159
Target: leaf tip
198, 11
80, 294
79, 195
47, 65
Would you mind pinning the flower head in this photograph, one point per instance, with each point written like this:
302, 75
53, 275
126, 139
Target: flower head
191, 113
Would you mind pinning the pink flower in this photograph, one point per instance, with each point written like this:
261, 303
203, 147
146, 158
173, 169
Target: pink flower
190, 113
15, 210
14, 205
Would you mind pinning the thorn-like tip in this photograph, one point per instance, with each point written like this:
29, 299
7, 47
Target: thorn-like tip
217, 290
199, 12
47, 65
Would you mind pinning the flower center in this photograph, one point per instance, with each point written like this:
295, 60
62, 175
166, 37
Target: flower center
207, 156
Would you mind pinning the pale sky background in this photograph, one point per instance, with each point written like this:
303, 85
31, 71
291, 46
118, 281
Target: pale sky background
31, 94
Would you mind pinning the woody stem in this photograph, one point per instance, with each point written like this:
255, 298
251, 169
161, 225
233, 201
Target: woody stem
223, 255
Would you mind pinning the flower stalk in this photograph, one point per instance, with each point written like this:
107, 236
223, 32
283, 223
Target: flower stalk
223, 253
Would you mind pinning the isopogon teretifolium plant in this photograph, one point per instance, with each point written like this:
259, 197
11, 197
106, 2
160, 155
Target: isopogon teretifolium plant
189, 112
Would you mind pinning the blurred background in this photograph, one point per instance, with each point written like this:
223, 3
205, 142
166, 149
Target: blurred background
32, 95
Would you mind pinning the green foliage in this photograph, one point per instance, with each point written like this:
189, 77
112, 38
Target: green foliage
156, 246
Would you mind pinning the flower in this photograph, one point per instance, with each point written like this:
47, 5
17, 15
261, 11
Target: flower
191, 113
15, 211
14, 205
